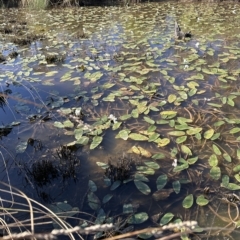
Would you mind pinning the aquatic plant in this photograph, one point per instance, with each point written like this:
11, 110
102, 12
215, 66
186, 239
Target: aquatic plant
35, 4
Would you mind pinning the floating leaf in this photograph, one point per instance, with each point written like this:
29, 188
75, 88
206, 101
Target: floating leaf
236, 169
161, 181
138, 137
138, 218
193, 131
68, 124
145, 170
96, 141
215, 173
116, 125
235, 130
192, 160
213, 161
188, 201
92, 186
163, 142
58, 125
107, 198
231, 186
166, 219
186, 150
158, 156
102, 165
142, 187
115, 185
181, 139
153, 165
141, 151
123, 134
209, 133
153, 137
177, 133
225, 180
93, 201
201, 200
83, 140
181, 167
149, 120
176, 186
227, 157
100, 217
140, 177
172, 98
127, 208
216, 150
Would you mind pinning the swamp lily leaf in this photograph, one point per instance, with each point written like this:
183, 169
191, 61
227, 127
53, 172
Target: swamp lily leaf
138, 137
193, 131
163, 142
181, 167
177, 133
216, 150
215, 173
96, 141
185, 149
172, 98
201, 200
161, 181
166, 219
153, 137
151, 164
140, 177
127, 208
213, 161
100, 217
168, 114
235, 130
149, 120
231, 186
140, 151
83, 140
123, 134
225, 180
227, 157
142, 187
58, 125
181, 139
138, 218
209, 133
92, 186
102, 165
115, 185
188, 201
192, 160
93, 201
68, 124
107, 198
176, 186
145, 170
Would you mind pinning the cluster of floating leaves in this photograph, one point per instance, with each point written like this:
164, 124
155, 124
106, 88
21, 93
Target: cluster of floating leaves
174, 101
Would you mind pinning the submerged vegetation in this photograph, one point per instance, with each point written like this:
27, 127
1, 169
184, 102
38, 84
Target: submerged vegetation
111, 111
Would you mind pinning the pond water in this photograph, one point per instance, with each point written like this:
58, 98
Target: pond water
106, 115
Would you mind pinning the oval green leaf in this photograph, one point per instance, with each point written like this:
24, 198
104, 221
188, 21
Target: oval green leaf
188, 201
201, 200
142, 187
